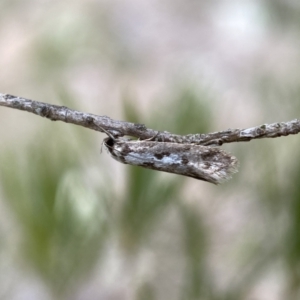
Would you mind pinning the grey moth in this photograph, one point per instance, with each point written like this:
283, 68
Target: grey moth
210, 164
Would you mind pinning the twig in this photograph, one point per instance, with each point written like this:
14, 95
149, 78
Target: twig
121, 128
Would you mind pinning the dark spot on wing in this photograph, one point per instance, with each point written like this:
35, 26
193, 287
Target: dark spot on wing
161, 155
184, 160
126, 149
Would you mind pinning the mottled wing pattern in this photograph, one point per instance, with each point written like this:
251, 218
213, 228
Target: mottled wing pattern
204, 163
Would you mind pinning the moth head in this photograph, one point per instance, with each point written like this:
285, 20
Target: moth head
109, 142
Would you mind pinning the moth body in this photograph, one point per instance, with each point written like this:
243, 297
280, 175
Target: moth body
201, 162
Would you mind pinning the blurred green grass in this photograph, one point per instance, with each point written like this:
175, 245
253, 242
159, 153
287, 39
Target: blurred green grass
62, 220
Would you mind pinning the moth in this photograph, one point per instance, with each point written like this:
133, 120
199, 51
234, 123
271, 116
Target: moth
205, 163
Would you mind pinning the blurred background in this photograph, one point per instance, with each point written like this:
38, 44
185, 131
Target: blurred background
75, 224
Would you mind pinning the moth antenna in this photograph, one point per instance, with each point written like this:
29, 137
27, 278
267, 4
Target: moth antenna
107, 132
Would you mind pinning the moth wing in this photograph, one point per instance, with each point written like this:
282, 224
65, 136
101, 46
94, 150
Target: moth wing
204, 163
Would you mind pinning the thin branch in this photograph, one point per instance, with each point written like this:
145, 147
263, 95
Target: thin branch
120, 128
